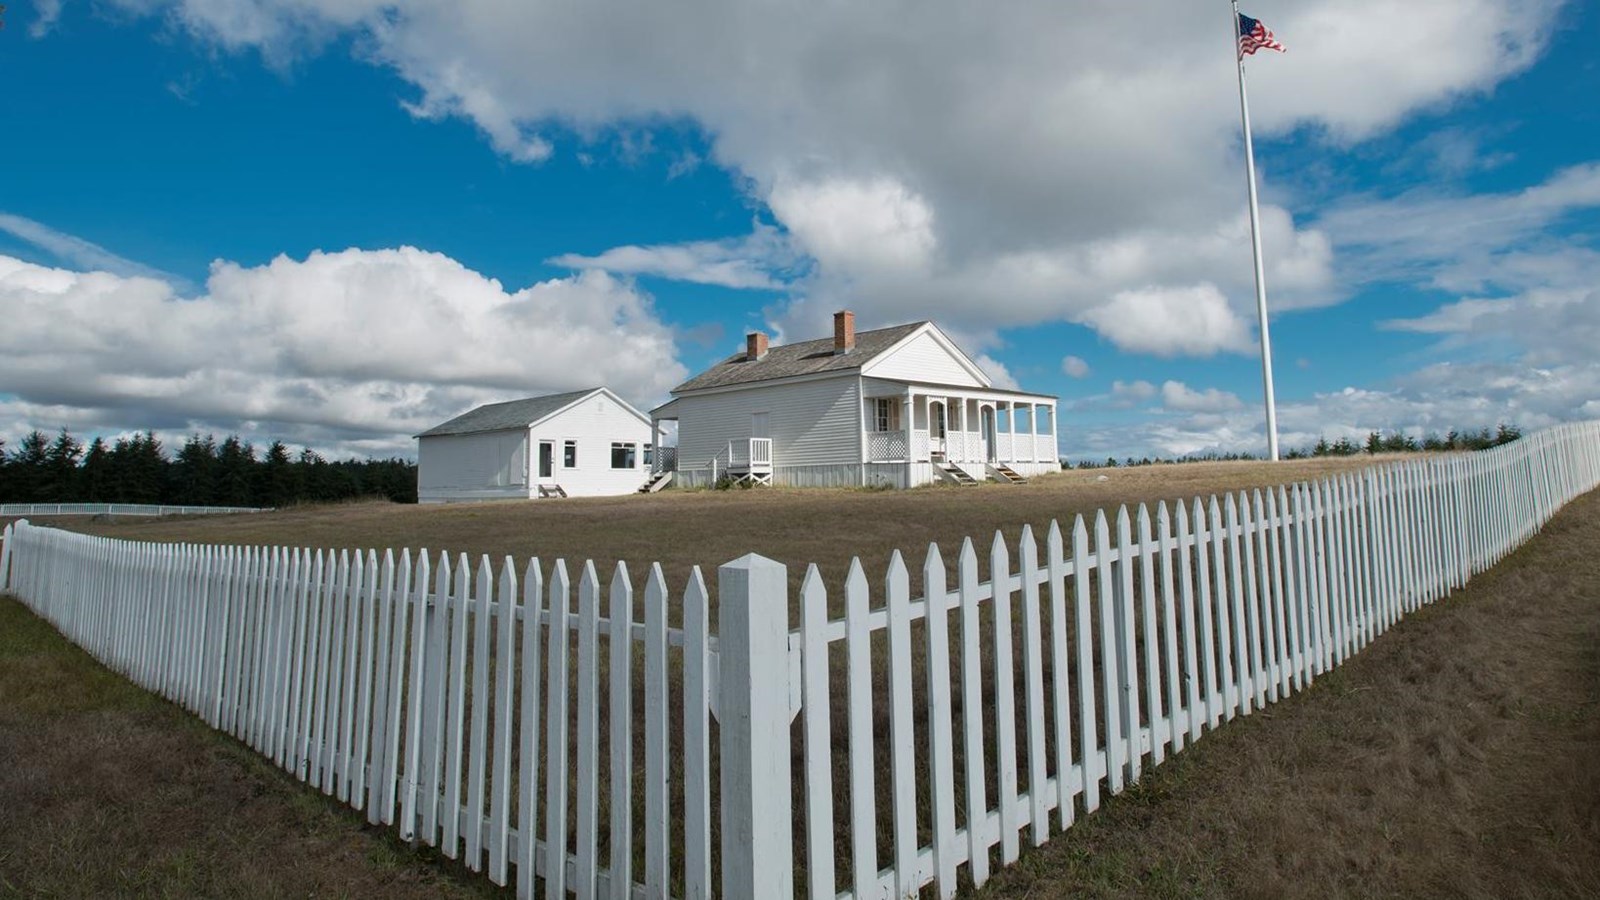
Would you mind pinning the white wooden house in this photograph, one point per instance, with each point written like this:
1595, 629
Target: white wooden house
580, 444
901, 406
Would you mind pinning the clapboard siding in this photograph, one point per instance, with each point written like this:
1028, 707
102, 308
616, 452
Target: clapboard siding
491, 464
811, 423
923, 358
595, 422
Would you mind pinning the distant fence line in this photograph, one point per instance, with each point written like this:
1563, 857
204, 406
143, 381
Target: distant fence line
1077, 666
36, 510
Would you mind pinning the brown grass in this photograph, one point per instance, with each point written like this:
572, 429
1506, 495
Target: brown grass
680, 529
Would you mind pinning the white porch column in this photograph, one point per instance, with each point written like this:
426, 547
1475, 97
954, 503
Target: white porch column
909, 413
1006, 456
1055, 435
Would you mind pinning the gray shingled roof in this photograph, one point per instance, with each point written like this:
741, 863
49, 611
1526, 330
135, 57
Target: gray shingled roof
804, 358
510, 414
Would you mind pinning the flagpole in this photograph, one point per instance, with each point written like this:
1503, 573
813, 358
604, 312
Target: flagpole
1255, 244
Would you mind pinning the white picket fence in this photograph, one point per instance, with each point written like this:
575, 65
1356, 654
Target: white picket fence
429, 696
37, 510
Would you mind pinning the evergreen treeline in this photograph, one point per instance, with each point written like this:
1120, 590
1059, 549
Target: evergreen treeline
202, 473
1376, 442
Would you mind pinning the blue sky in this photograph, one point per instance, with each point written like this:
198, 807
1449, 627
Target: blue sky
337, 222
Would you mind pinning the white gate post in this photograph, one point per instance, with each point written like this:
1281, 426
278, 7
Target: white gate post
5, 553
753, 653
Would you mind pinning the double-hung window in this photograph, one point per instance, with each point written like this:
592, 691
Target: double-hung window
624, 455
886, 414
569, 455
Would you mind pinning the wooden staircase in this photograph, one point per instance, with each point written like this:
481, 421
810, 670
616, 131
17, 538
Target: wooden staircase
955, 473
1003, 472
657, 481
551, 490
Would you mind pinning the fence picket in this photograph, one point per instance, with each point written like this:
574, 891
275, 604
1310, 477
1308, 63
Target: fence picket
414, 587
1257, 694
620, 736
696, 742
1060, 676
1191, 642
1207, 633
1033, 666
436, 685
657, 846
1111, 673
586, 796
555, 730
1005, 700
358, 740
455, 710
385, 619
477, 750
977, 810
1177, 717
505, 623
821, 880
902, 735
941, 765
1150, 630
528, 737
863, 793
1242, 675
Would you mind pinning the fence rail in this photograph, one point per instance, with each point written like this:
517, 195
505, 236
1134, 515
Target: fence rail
452, 701
37, 510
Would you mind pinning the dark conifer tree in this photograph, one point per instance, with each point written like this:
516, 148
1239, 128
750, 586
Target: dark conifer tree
236, 464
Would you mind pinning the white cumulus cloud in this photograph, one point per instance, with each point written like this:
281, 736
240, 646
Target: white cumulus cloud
987, 167
1179, 397
352, 350
1193, 320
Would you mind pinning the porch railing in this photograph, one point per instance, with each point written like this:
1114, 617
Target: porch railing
968, 446
752, 453
665, 460
888, 446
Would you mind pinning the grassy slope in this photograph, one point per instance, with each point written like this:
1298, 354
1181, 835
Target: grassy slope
108, 790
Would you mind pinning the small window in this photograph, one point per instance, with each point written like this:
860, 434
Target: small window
886, 414
624, 455
649, 454
569, 455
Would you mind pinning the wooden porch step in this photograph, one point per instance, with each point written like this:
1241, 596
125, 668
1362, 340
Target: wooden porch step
957, 474
656, 482
1007, 474
551, 490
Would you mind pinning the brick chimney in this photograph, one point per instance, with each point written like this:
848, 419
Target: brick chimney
844, 331
755, 346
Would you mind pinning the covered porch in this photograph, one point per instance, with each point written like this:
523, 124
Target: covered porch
970, 427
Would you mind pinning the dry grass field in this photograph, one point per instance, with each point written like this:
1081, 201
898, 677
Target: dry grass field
1457, 756
681, 529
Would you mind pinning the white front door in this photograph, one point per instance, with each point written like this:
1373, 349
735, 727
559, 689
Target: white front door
758, 425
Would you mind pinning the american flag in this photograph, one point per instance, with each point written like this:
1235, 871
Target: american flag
1254, 36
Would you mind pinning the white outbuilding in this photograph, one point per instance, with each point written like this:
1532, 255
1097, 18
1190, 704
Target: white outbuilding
588, 443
